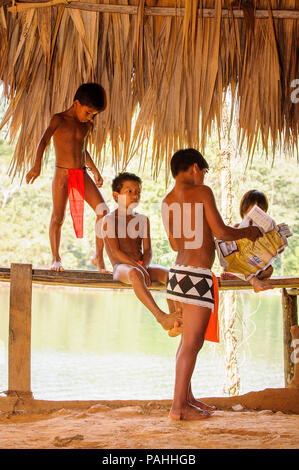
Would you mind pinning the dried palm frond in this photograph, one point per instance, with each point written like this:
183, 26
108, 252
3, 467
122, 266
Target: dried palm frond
165, 76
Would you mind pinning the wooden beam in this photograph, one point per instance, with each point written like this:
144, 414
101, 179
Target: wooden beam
75, 278
150, 11
80, 278
19, 350
289, 315
293, 291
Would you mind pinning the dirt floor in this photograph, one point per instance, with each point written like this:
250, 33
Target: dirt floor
268, 419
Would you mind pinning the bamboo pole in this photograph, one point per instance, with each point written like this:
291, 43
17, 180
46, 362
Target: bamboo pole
150, 11
19, 350
289, 312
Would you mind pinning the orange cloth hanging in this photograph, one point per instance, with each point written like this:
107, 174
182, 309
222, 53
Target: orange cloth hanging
76, 199
212, 331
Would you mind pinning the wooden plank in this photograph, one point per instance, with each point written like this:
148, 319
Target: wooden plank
289, 312
79, 278
19, 349
150, 11
293, 291
210, 13
82, 278
277, 282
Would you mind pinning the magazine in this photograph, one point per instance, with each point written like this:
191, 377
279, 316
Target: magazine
245, 258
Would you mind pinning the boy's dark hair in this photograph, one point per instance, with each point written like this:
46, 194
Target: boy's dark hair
121, 178
92, 95
253, 197
183, 159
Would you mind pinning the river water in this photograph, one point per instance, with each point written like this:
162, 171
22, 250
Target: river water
90, 344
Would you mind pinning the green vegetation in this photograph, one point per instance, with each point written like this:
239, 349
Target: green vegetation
26, 209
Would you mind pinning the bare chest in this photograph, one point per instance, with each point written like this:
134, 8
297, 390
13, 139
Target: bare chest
71, 131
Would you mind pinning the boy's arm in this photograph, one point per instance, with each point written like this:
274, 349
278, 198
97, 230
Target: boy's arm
36, 169
111, 240
147, 245
123, 258
220, 230
96, 174
167, 219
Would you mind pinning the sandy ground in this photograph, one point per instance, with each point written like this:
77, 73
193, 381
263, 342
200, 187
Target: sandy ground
133, 428
33, 424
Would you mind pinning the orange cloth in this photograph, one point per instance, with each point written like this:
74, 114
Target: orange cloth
140, 262
212, 331
76, 199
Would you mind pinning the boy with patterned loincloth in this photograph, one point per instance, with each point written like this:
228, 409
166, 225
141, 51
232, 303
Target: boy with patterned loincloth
192, 220
70, 130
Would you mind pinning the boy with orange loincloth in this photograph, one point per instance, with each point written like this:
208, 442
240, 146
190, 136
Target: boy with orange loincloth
70, 130
192, 220
126, 235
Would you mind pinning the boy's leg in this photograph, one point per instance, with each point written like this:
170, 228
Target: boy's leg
94, 198
195, 320
130, 274
227, 276
159, 273
198, 403
266, 274
60, 197
191, 399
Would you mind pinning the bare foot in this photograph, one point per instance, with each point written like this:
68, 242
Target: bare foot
176, 330
168, 320
189, 413
57, 266
100, 265
201, 405
260, 284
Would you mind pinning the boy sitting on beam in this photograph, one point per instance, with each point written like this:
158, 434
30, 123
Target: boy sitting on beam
127, 240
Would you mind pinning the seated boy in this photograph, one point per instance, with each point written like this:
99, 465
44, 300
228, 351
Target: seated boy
127, 241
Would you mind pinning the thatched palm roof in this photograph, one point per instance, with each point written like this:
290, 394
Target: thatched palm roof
172, 59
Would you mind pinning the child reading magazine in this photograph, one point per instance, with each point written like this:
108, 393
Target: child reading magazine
252, 260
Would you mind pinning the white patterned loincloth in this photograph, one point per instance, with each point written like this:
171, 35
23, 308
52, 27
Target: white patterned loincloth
191, 285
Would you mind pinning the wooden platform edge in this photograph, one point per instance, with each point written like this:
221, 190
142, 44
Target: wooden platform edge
275, 399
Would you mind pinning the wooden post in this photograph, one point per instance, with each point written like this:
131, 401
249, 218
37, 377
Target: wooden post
289, 315
229, 299
19, 350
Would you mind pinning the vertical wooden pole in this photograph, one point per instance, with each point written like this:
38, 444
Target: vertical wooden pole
19, 350
229, 299
289, 312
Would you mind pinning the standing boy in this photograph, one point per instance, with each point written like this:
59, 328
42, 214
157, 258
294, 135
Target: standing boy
126, 234
191, 282
70, 130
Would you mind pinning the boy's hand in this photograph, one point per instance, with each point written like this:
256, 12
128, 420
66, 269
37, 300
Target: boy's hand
176, 330
98, 178
253, 233
147, 278
32, 174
